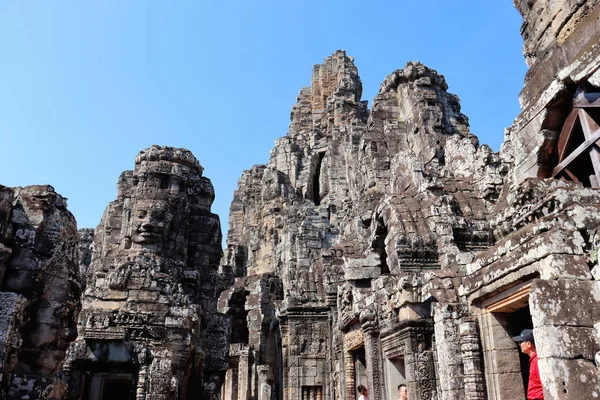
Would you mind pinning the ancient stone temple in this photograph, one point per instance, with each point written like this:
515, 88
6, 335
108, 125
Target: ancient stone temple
40, 288
379, 246
386, 245
148, 329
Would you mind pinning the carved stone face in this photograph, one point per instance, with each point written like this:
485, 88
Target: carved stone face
151, 222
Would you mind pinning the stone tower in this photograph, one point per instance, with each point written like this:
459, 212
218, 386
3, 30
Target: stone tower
149, 328
385, 245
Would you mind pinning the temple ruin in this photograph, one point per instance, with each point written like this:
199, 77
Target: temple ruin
380, 245
148, 328
387, 245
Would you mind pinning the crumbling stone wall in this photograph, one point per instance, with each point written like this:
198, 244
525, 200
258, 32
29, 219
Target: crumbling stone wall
40, 291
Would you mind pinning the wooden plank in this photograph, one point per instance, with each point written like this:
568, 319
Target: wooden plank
566, 134
583, 100
589, 126
510, 300
570, 174
571, 157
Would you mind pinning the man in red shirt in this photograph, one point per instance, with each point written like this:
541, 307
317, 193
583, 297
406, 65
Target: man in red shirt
527, 344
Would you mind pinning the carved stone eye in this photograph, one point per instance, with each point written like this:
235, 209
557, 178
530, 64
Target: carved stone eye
142, 213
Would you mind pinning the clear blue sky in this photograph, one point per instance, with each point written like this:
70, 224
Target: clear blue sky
85, 85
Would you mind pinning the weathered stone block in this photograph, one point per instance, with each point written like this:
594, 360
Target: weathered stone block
12, 307
564, 302
563, 379
565, 342
505, 386
564, 266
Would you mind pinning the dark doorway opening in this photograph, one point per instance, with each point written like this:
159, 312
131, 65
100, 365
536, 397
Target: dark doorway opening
517, 321
117, 388
110, 381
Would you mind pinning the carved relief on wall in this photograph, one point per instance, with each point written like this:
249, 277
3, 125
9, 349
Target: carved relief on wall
353, 340
425, 374
309, 338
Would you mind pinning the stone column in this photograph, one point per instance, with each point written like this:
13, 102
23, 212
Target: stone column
140, 390
264, 388
369, 326
472, 360
284, 330
349, 378
421, 378
243, 375
230, 387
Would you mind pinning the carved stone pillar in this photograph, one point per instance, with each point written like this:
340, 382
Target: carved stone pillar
368, 320
264, 387
230, 387
472, 360
319, 393
140, 390
244, 375
349, 379
284, 330
425, 377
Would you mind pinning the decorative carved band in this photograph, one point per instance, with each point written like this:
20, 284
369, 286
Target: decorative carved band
354, 340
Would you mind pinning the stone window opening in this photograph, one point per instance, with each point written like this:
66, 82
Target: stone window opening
316, 186
165, 181
378, 244
312, 393
577, 150
236, 310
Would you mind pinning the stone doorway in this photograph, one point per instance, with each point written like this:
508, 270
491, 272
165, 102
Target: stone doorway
506, 368
517, 321
111, 386
360, 369
395, 372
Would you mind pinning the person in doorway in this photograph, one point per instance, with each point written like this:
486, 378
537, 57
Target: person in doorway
402, 392
364, 392
527, 345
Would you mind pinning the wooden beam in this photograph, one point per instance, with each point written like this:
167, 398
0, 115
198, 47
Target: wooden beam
571, 157
566, 134
589, 126
510, 300
570, 174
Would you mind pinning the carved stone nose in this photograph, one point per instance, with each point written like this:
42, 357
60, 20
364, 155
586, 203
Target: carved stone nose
148, 227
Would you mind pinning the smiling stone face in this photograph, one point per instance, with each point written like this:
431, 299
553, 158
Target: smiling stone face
151, 222
153, 273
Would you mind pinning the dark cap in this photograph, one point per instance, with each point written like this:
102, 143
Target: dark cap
525, 336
